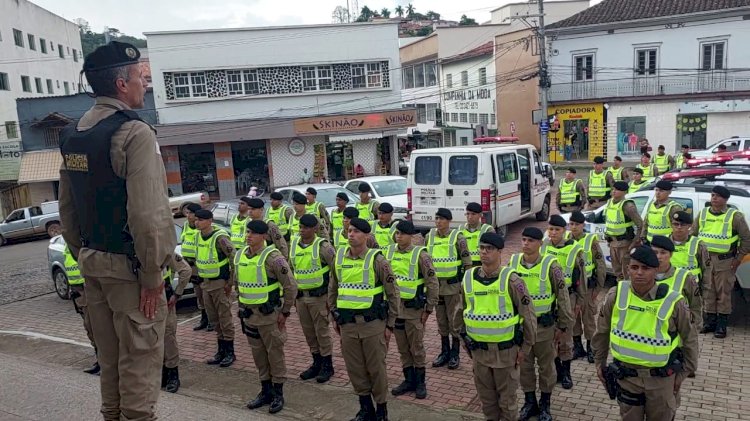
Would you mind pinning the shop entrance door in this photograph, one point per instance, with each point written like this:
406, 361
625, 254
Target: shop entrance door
250, 161
577, 134
340, 161
198, 169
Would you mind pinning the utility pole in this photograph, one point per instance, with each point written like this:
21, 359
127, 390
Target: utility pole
544, 82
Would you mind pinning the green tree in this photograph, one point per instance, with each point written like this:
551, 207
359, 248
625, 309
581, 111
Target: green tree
467, 21
385, 13
424, 31
432, 15
91, 40
399, 11
410, 11
365, 15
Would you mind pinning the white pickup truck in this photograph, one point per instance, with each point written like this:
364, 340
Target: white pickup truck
30, 222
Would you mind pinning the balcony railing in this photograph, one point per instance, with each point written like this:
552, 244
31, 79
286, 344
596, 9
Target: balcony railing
615, 87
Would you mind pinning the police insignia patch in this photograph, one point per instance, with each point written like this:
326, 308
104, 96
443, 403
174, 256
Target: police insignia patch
130, 52
525, 301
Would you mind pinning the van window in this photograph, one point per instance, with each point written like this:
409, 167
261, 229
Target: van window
686, 203
507, 168
537, 164
428, 170
462, 170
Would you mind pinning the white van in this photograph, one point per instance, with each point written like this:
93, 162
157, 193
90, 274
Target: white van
509, 182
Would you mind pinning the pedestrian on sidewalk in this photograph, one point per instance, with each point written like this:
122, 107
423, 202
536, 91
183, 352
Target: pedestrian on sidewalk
119, 227
78, 296
189, 250
262, 278
170, 374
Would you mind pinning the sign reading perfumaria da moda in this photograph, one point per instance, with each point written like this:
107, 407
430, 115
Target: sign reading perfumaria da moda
356, 122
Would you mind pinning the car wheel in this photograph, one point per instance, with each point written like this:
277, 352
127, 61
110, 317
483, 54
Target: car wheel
61, 284
54, 229
543, 214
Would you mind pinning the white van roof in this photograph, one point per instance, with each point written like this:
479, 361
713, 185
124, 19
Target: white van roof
470, 148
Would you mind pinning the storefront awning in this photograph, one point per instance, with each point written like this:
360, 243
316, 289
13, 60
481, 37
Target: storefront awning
362, 136
40, 166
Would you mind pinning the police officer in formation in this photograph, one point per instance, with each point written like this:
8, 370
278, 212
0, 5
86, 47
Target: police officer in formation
622, 225
660, 211
663, 161
318, 209
384, 227
682, 157
571, 194
545, 282
280, 214
619, 173
311, 258
651, 358
238, 224
679, 279
341, 239
189, 250
275, 237
300, 208
725, 233
690, 252
266, 290
473, 229
364, 302
337, 215
78, 296
418, 289
450, 257
366, 207
170, 374
647, 168
637, 182
599, 184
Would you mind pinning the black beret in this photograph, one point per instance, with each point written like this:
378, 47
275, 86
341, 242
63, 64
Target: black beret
257, 226
577, 216
638, 170
598, 160
492, 239
361, 225
682, 216
299, 198
645, 255
664, 185
193, 207
277, 196
572, 170
204, 214
245, 199
406, 227
557, 221
662, 242
364, 188
343, 196
617, 158
351, 212
308, 220
114, 54
661, 147
444, 213
533, 232
685, 147
621, 186
312, 191
256, 203
646, 154
721, 191
474, 207
385, 207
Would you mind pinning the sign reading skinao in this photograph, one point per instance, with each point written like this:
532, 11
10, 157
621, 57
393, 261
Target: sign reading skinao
355, 122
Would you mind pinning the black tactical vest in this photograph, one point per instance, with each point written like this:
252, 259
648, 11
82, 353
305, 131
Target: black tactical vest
99, 195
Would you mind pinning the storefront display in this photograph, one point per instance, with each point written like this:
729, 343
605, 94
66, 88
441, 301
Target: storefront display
581, 132
198, 168
691, 130
250, 161
340, 161
630, 131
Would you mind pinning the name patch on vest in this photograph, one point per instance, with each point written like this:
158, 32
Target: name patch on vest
632, 307
76, 162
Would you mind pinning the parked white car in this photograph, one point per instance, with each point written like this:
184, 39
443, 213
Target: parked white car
384, 188
733, 144
326, 193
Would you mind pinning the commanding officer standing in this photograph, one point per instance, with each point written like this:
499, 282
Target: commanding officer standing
189, 250
596, 275
341, 240
78, 296
678, 279
637, 182
660, 211
500, 329
364, 302
450, 255
648, 169
545, 282
311, 259
117, 222
473, 229
418, 289
275, 236
215, 255
318, 209
622, 225
367, 208
238, 224
690, 252
385, 227
337, 216
599, 182
280, 214
170, 374
725, 233
262, 276
651, 358
571, 195
662, 161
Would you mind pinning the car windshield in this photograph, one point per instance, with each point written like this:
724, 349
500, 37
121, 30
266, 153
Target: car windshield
328, 196
390, 187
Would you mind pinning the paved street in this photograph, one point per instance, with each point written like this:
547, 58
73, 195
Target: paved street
25, 272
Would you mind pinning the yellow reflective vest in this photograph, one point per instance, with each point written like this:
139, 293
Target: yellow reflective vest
659, 220
72, 271
538, 281
716, 231
188, 240
615, 222
278, 216
358, 283
489, 316
685, 256
253, 283
207, 259
598, 187
405, 265
472, 239
569, 192
445, 257
309, 270
566, 257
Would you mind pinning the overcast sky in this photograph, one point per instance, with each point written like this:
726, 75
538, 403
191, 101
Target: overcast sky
133, 17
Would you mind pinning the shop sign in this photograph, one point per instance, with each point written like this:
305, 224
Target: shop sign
586, 121
355, 122
296, 146
10, 160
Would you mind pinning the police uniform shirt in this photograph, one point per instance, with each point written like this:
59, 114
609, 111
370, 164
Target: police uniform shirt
327, 256
703, 257
690, 291
673, 207
277, 268
223, 246
431, 286
580, 188
464, 256
579, 267
739, 227
565, 318
631, 212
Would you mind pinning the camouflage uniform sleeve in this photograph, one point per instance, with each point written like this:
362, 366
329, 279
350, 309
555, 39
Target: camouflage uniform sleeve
582, 191
372, 243
430, 280
691, 291
625, 174
695, 229
688, 336
610, 179
322, 230
654, 169
557, 196
564, 312
277, 239
183, 270
631, 212
582, 281
225, 245
277, 265
463, 251
670, 160
601, 264
519, 294
417, 240
375, 206
739, 225
385, 276
600, 341
328, 255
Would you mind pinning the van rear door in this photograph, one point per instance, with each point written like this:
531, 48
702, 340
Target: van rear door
464, 172
427, 187
508, 197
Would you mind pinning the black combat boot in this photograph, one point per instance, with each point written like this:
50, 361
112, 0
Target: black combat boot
445, 349
366, 409
381, 413
420, 387
567, 379
530, 407
94, 369
544, 404
220, 353
164, 376
407, 385
559, 369
173, 380
203, 323
277, 403
709, 323
210, 327
455, 354
264, 396
229, 357
578, 351
326, 369
314, 369
721, 326
589, 353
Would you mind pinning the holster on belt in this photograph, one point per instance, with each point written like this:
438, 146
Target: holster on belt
610, 381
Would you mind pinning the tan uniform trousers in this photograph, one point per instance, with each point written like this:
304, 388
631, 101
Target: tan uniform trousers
620, 256
171, 350
586, 322
365, 359
449, 313
409, 335
717, 296
313, 316
565, 349
130, 348
218, 308
267, 343
80, 303
543, 353
496, 387
199, 296
661, 403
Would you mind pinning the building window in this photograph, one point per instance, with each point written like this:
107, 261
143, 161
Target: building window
43, 45
250, 79
492, 119
11, 129
198, 84
430, 72
454, 117
584, 67
473, 118
66, 86
408, 77
359, 77
52, 137
463, 118
419, 76
325, 78
465, 78
49, 87
317, 78
181, 85
75, 55
18, 37
32, 42
645, 62
26, 83
4, 84
484, 119
447, 117
374, 75
421, 113
431, 112
713, 55
38, 83
449, 80
482, 76
60, 51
